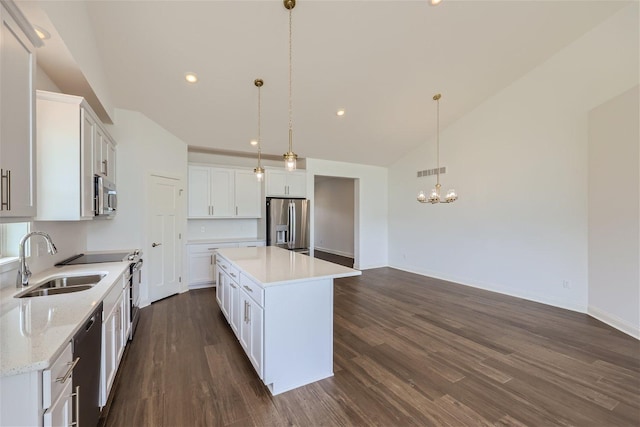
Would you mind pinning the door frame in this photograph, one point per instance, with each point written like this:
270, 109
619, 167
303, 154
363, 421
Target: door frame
181, 220
311, 192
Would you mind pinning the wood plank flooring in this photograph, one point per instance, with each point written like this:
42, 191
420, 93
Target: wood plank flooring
408, 350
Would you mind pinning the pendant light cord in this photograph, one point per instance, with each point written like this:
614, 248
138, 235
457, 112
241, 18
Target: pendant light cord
290, 91
438, 140
259, 124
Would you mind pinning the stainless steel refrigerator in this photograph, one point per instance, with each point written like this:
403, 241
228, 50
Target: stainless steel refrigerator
288, 224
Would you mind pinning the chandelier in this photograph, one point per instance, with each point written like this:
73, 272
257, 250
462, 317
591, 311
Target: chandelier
434, 196
259, 171
290, 157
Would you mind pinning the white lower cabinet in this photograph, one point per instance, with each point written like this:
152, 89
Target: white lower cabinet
113, 337
251, 331
201, 261
61, 412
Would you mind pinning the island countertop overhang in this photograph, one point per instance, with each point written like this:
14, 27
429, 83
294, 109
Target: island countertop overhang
271, 266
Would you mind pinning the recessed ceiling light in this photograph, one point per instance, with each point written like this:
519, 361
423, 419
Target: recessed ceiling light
435, 2
42, 33
254, 142
191, 77
340, 112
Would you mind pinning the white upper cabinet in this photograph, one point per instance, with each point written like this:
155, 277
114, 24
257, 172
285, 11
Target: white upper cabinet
104, 155
17, 125
248, 195
223, 193
66, 145
281, 183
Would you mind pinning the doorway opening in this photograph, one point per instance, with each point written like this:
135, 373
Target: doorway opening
335, 210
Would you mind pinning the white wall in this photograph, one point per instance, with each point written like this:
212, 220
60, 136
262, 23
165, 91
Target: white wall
71, 20
334, 215
519, 164
143, 148
371, 208
614, 213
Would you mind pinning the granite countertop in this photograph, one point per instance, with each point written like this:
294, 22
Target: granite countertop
33, 331
270, 265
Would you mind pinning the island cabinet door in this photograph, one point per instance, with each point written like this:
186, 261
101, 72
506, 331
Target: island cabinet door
251, 331
256, 353
234, 307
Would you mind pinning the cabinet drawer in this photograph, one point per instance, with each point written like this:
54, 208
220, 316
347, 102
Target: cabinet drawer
112, 298
251, 288
200, 248
225, 266
52, 378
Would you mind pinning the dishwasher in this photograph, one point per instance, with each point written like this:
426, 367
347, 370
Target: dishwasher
87, 345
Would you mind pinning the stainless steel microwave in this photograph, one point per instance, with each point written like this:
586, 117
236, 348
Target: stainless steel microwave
106, 198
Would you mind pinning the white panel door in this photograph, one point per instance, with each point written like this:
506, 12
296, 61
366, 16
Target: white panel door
164, 250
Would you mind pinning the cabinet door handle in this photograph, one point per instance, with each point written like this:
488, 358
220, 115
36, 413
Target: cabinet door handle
236, 210
232, 274
5, 189
223, 266
104, 164
245, 311
248, 288
232, 285
213, 249
211, 262
154, 244
77, 396
66, 376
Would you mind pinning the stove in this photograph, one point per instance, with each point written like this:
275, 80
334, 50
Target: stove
96, 258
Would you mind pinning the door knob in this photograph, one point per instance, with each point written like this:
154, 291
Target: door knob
153, 245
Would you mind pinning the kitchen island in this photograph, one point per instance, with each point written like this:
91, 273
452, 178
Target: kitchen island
280, 306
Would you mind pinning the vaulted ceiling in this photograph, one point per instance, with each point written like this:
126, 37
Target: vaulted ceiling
381, 61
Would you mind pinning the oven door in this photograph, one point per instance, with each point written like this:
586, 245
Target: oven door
134, 296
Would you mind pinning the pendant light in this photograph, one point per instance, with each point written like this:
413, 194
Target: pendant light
259, 171
434, 197
290, 157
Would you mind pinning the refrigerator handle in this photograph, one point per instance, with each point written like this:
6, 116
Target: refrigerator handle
289, 210
293, 228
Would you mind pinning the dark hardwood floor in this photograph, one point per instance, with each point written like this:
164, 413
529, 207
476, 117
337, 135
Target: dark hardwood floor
408, 350
337, 259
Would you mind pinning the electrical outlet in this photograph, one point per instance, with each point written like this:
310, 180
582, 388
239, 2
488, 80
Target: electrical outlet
566, 284
202, 229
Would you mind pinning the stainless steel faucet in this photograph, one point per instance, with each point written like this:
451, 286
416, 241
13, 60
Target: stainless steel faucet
23, 272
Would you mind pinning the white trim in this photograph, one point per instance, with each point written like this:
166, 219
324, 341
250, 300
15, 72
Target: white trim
9, 263
333, 251
614, 321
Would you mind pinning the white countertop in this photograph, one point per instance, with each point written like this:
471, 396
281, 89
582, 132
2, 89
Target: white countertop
270, 265
228, 240
34, 330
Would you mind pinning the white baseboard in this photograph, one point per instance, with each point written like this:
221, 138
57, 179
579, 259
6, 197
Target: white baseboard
333, 251
502, 290
201, 286
614, 321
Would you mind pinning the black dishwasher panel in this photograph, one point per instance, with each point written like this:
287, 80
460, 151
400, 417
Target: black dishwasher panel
87, 345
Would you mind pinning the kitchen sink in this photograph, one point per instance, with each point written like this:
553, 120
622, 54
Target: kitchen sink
63, 285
